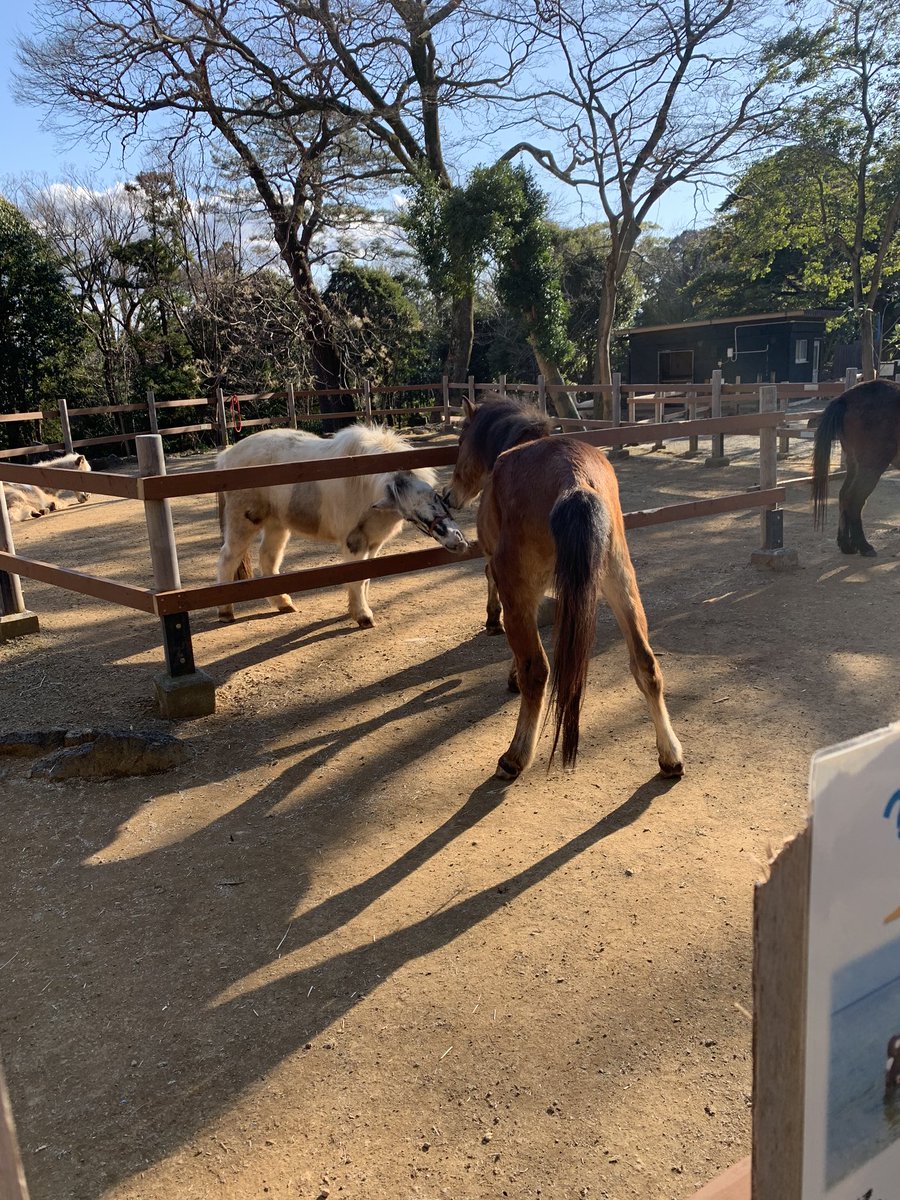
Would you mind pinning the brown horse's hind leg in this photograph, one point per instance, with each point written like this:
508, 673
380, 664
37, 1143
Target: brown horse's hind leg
271, 552
853, 496
529, 673
493, 624
620, 591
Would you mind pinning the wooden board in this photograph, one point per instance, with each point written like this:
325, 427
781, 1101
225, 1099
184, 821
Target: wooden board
733, 1184
12, 1176
76, 581
780, 922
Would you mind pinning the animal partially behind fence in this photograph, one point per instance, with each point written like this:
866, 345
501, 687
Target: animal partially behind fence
550, 516
866, 420
359, 513
25, 500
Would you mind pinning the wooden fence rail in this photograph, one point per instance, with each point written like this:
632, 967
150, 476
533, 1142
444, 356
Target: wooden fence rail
223, 412
172, 603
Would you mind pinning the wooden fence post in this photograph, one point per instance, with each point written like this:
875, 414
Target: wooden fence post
784, 442
615, 452
66, 427
780, 929
772, 552
221, 418
717, 457
151, 411
183, 691
367, 400
693, 441
291, 406
15, 619
472, 389
659, 415
445, 396
12, 1174
542, 394
502, 385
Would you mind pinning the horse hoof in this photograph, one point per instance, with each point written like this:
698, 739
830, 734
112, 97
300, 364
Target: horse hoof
493, 630
506, 769
286, 608
227, 618
846, 548
868, 551
671, 770
366, 622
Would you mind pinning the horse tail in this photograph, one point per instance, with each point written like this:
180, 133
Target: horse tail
580, 526
244, 568
828, 429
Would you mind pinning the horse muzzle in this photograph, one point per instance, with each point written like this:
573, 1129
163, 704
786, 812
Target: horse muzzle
450, 536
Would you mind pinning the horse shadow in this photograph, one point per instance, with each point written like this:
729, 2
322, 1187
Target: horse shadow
196, 1046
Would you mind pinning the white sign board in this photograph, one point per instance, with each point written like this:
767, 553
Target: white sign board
851, 1142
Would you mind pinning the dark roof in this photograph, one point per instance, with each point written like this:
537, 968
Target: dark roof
796, 314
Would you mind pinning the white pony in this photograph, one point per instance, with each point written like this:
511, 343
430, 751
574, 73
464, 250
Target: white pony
24, 500
359, 513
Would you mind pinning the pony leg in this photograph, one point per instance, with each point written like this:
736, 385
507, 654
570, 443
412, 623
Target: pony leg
364, 542
528, 675
620, 591
844, 538
271, 552
235, 548
493, 624
864, 481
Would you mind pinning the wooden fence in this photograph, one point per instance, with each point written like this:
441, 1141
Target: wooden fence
224, 414
172, 603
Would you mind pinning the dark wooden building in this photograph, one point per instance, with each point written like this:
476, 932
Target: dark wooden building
782, 347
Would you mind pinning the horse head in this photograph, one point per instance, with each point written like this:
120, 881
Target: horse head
417, 501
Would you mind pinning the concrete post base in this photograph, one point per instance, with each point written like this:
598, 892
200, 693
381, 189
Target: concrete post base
775, 560
717, 462
617, 453
185, 696
17, 625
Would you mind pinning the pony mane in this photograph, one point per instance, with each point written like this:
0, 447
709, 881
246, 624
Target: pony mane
501, 423
366, 439
66, 462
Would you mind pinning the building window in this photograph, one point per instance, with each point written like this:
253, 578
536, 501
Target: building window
801, 350
676, 366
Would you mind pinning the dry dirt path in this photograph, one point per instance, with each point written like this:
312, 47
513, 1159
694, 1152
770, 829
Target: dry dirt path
332, 956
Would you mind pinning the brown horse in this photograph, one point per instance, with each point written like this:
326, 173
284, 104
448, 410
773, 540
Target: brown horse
550, 516
866, 418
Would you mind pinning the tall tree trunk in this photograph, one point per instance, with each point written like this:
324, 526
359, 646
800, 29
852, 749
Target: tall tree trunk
561, 402
605, 318
867, 342
462, 336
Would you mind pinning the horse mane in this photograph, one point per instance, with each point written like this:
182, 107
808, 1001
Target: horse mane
503, 423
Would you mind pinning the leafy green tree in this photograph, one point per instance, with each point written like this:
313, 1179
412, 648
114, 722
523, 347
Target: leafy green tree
497, 219
38, 328
844, 152
384, 336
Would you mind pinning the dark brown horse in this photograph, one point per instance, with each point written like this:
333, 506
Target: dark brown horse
866, 418
550, 517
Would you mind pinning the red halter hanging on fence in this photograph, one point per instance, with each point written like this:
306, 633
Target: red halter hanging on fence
236, 422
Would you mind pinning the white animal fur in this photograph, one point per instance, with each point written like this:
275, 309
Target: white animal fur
359, 513
24, 500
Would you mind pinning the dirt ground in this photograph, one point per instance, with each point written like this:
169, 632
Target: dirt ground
332, 956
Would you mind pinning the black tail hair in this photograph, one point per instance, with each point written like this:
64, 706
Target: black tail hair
828, 430
580, 526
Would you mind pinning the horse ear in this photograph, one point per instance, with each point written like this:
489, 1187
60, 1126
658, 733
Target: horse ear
390, 499
469, 408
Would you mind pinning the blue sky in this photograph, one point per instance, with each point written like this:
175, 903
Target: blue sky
28, 148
